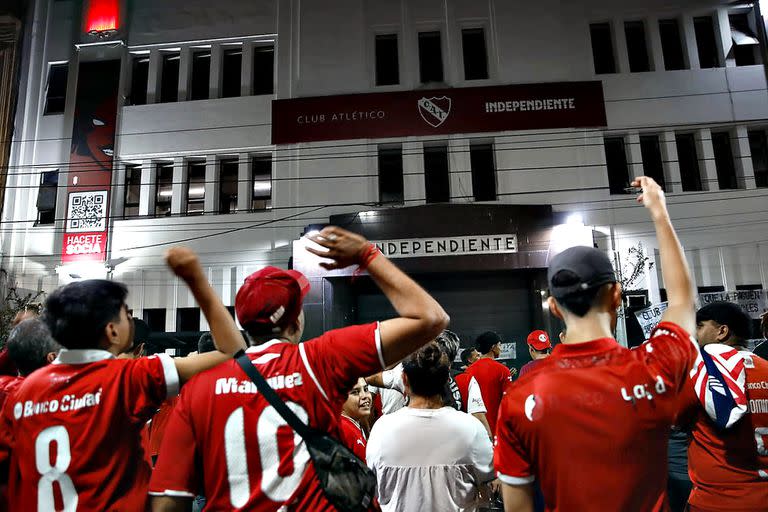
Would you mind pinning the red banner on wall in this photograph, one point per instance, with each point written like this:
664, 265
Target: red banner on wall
439, 112
90, 162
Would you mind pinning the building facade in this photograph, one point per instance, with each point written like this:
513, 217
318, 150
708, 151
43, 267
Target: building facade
161, 123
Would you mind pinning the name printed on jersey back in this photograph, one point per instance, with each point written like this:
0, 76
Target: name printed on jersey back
69, 403
233, 385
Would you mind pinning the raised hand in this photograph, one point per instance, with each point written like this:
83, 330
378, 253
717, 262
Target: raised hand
183, 262
652, 196
343, 247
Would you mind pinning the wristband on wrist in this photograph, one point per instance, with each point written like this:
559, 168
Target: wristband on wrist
369, 254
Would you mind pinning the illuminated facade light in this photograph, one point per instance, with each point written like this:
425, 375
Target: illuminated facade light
101, 16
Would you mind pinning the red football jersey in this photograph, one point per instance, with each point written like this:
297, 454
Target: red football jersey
462, 382
493, 378
591, 422
8, 385
729, 467
352, 436
156, 427
72, 431
224, 437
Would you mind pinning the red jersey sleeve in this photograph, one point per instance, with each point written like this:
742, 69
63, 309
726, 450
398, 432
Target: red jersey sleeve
148, 382
338, 358
669, 354
510, 458
175, 473
6, 442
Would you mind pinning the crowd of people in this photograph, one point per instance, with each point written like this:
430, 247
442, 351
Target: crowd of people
90, 424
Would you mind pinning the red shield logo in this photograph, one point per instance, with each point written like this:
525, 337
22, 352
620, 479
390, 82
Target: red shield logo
434, 111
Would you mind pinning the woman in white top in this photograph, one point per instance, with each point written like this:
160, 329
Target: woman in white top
428, 456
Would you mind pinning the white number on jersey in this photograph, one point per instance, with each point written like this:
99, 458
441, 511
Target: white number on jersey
276, 487
56, 472
762, 450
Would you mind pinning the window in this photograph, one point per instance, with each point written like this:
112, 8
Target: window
155, 319
726, 171
263, 70
187, 319
169, 82
602, 48
228, 173
387, 60
706, 44
483, 172
430, 57
475, 54
689, 162
46, 197
201, 75
637, 49
231, 72
163, 189
653, 165
261, 182
139, 80
671, 44
616, 162
436, 177
390, 174
746, 46
758, 145
56, 93
132, 191
195, 188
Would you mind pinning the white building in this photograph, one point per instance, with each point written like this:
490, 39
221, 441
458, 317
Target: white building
685, 99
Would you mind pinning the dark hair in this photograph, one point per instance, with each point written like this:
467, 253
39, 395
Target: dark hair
76, 314
579, 303
449, 342
205, 343
730, 314
485, 342
29, 344
427, 370
466, 354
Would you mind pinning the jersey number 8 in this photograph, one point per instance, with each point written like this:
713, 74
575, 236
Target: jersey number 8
56, 472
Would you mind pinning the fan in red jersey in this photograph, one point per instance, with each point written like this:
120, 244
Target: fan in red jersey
539, 347
70, 438
492, 376
611, 406
356, 409
224, 438
725, 405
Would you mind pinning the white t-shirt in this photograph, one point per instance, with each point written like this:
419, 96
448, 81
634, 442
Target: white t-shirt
475, 403
429, 459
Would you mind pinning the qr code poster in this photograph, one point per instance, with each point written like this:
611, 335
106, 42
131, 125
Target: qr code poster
87, 211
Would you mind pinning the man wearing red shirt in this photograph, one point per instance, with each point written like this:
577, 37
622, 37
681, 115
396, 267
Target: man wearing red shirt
728, 462
70, 438
356, 409
539, 347
492, 376
612, 407
250, 458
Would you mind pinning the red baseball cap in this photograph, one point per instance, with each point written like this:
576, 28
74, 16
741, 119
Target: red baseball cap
539, 340
270, 298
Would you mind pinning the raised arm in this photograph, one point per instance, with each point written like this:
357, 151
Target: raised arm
674, 267
421, 317
227, 338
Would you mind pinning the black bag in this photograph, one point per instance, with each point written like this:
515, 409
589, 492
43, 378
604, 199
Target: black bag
346, 481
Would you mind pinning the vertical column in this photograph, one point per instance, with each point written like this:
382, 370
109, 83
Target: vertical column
689, 40
179, 187
723, 37
742, 155
154, 75
246, 70
244, 183
671, 162
707, 166
117, 194
216, 67
460, 169
634, 155
453, 64
211, 184
654, 43
414, 190
147, 194
185, 72
620, 38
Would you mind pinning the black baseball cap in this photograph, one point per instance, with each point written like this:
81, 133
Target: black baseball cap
727, 313
578, 269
